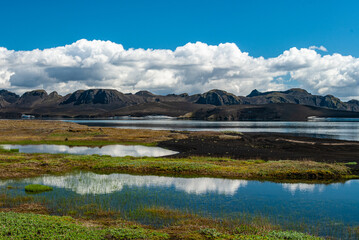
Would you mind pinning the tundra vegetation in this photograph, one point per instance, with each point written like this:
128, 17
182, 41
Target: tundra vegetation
39, 226
19, 165
21, 218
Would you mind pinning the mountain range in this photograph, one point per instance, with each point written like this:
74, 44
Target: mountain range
293, 104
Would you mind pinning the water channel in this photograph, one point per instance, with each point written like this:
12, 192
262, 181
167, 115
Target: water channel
343, 130
324, 209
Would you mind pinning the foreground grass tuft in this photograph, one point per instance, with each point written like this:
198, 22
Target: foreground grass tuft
290, 235
36, 226
32, 226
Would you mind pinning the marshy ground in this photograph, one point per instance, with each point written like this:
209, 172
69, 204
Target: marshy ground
266, 146
216, 154
276, 157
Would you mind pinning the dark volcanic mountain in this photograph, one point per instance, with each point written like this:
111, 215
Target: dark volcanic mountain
7, 97
3, 102
299, 96
37, 98
267, 112
293, 104
98, 96
219, 98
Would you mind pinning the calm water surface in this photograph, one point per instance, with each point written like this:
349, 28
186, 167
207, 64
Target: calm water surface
327, 129
112, 150
325, 209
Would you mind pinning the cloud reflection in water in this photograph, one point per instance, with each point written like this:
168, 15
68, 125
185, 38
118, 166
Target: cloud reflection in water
113, 150
302, 187
92, 183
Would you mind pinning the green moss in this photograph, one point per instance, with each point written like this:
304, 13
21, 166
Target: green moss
37, 188
351, 163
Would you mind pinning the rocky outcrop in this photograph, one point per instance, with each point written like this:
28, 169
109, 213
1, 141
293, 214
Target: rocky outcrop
37, 98
145, 94
254, 93
353, 105
3, 102
31, 99
97, 96
218, 98
9, 97
212, 105
302, 97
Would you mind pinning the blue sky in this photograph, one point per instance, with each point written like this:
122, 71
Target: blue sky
232, 45
260, 27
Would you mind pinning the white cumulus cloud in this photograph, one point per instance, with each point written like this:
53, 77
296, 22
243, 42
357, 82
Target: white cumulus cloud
193, 68
321, 48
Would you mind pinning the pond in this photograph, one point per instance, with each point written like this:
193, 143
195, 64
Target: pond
348, 130
112, 150
324, 209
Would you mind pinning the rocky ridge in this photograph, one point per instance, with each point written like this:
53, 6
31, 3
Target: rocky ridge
214, 104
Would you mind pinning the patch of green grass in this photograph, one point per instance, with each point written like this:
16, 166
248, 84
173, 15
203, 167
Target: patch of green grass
351, 163
135, 233
232, 132
185, 226
211, 233
32, 226
2, 149
37, 188
290, 235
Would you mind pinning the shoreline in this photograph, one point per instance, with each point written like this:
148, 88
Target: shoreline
192, 161
254, 156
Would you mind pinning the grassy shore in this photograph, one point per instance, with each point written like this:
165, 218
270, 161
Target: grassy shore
30, 220
21, 217
20, 165
57, 132
38, 226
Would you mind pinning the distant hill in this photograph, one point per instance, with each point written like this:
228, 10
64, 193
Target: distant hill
293, 104
9, 96
267, 112
218, 98
300, 96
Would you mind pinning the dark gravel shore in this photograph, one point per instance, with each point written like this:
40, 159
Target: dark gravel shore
266, 146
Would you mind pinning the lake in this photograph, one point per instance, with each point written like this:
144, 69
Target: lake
324, 209
112, 150
345, 130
